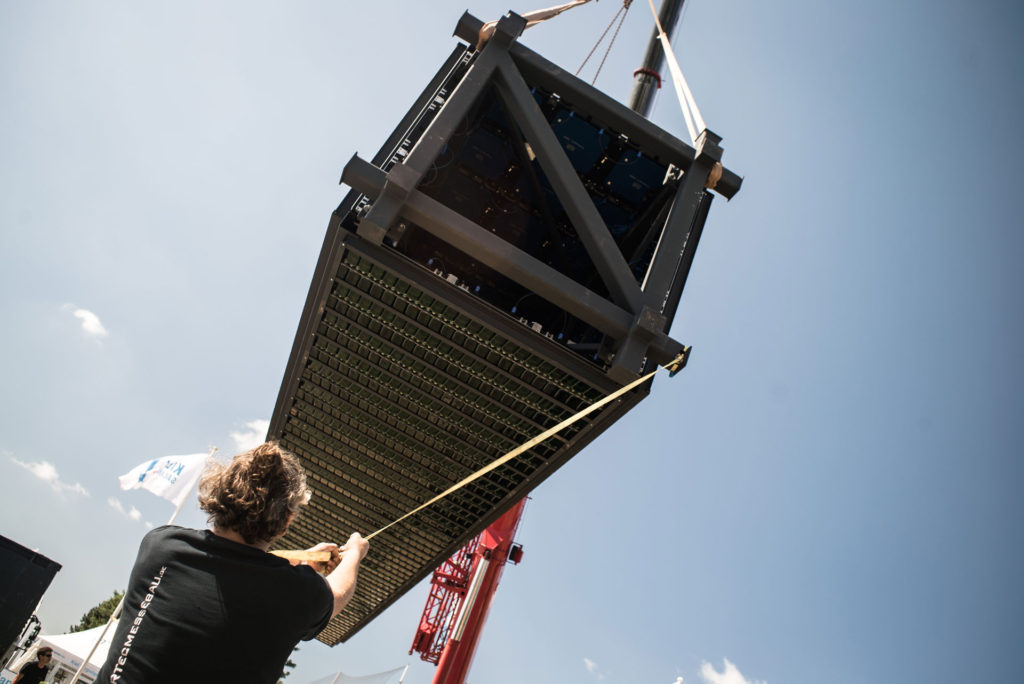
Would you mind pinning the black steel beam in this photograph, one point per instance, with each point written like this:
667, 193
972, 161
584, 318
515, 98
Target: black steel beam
326, 266
671, 245
385, 210
540, 72
401, 131
447, 121
683, 269
673, 238
463, 234
578, 205
501, 323
465, 95
330, 254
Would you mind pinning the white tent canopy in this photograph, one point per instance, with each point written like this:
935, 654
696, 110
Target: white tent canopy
380, 678
69, 650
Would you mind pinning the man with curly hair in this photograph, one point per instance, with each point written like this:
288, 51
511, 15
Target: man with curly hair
214, 605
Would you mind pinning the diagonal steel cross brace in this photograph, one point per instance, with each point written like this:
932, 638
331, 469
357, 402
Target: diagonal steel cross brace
589, 225
384, 212
489, 249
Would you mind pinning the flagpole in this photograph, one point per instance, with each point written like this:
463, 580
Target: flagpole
174, 516
117, 611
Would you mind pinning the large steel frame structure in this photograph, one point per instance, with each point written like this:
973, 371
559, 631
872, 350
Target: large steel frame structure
405, 377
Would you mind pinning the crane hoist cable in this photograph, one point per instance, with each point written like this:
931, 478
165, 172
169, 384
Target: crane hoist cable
621, 16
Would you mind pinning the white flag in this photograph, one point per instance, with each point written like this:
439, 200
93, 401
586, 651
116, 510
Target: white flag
171, 477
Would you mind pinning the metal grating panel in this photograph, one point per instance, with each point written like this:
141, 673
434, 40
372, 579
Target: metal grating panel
403, 394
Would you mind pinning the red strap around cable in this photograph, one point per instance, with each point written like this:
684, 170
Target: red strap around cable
648, 72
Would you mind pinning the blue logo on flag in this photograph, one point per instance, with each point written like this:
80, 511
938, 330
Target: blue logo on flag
146, 472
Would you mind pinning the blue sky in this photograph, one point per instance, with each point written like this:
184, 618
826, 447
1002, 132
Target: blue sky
831, 491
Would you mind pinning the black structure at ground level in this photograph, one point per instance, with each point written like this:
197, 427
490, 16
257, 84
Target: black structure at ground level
24, 577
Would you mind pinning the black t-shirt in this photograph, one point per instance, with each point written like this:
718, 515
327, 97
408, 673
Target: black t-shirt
201, 608
31, 673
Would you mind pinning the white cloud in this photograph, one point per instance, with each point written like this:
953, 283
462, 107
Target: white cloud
255, 436
679, 680
133, 513
91, 324
729, 675
47, 472
593, 668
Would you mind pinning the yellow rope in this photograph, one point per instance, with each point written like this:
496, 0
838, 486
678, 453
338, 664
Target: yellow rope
533, 442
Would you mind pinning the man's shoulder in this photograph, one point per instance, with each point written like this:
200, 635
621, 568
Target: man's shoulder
171, 536
174, 532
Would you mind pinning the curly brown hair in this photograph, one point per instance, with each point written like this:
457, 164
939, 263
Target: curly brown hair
256, 494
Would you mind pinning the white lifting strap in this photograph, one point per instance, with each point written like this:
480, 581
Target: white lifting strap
532, 18
694, 121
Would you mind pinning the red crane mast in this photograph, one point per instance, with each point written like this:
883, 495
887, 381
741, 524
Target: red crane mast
460, 597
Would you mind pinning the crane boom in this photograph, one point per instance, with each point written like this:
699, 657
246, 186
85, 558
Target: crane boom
461, 592
647, 79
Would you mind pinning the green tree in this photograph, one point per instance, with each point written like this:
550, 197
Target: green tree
287, 666
98, 614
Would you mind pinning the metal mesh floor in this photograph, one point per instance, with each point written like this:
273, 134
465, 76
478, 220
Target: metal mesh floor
405, 388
